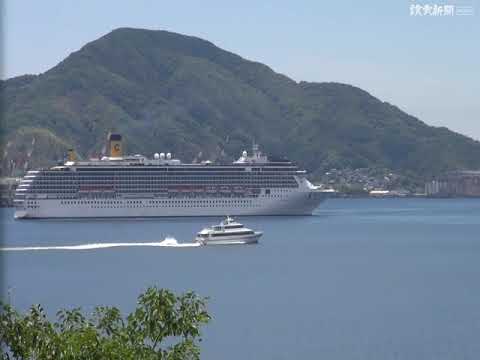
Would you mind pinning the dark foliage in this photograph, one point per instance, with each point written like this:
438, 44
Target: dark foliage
163, 326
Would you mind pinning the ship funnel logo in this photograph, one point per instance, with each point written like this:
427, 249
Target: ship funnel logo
71, 156
115, 145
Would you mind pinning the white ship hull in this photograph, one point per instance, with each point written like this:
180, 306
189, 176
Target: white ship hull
134, 186
276, 203
232, 239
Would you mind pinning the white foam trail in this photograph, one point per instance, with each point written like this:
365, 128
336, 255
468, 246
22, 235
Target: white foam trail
168, 242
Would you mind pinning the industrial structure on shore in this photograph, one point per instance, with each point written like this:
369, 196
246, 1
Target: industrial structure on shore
464, 183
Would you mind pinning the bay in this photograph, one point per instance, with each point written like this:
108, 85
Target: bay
360, 279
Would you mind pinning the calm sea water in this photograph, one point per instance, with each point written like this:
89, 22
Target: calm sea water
361, 279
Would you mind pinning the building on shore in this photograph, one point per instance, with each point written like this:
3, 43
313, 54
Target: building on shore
455, 183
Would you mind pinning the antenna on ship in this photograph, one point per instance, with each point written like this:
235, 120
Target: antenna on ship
103, 152
255, 150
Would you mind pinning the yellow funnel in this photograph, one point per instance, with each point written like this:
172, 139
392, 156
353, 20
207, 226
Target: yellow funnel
115, 145
71, 156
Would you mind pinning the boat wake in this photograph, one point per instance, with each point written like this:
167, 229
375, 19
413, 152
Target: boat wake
167, 242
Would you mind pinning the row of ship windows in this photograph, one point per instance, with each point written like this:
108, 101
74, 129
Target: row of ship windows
111, 194
171, 172
219, 173
82, 202
283, 189
192, 173
168, 181
176, 178
160, 203
128, 174
133, 202
170, 178
59, 186
192, 182
158, 190
170, 203
119, 189
32, 204
202, 169
99, 197
129, 202
147, 192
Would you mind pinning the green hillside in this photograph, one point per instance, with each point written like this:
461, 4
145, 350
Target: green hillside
169, 92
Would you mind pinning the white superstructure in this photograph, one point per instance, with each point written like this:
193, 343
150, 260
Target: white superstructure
135, 186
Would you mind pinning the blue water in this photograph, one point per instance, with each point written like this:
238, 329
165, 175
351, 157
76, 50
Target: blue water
361, 279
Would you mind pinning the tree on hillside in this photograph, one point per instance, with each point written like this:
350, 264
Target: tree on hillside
163, 326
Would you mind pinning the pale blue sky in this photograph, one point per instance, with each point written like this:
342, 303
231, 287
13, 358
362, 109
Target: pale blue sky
428, 66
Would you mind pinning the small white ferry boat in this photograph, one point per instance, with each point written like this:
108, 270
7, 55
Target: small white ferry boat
227, 232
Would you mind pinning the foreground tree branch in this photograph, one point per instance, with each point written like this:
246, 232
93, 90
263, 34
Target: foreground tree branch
160, 317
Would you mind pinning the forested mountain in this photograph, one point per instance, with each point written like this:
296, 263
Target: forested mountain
174, 93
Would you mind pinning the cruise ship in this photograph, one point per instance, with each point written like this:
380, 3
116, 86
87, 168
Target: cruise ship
135, 186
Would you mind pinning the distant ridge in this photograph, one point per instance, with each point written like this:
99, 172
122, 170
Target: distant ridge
169, 92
